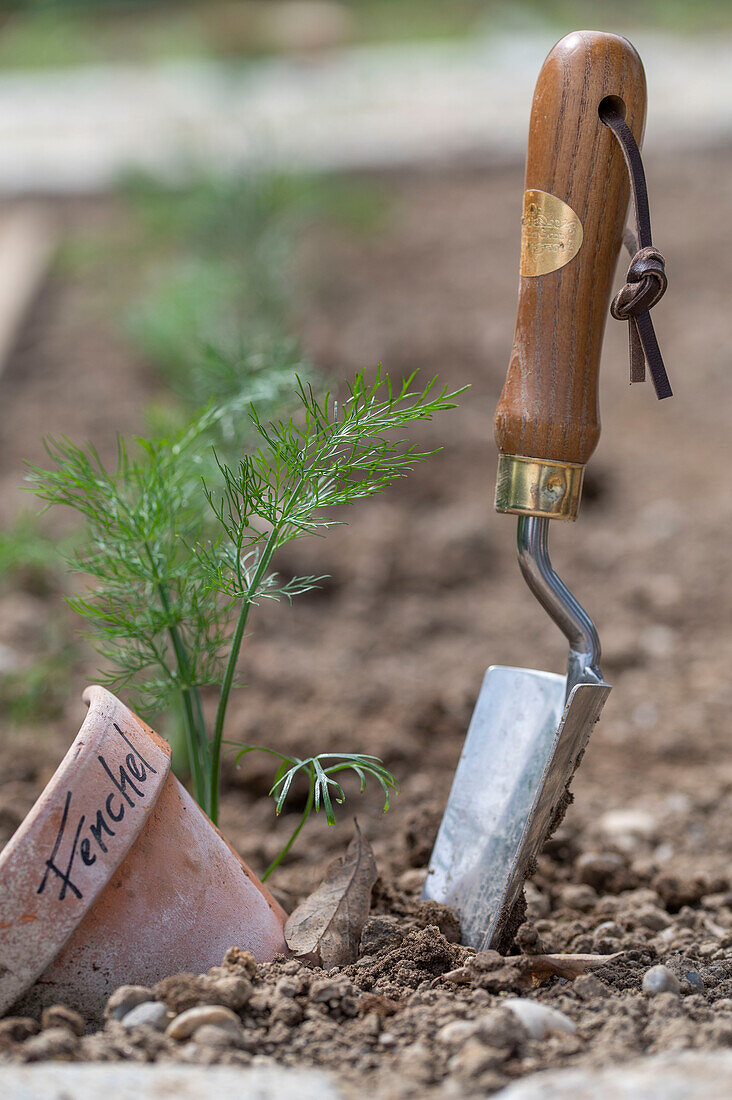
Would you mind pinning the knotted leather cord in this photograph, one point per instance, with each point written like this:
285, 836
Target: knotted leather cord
646, 279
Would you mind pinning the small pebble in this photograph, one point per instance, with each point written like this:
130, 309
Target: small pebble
608, 928
63, 1016
539, 1020
124, 999
147, 1014
695, 980
219, 1036
659, 979
184, 1025
627, 827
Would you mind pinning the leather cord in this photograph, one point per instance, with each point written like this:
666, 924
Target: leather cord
646, 279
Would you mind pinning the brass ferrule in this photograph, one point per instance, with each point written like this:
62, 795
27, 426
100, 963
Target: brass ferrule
530, 487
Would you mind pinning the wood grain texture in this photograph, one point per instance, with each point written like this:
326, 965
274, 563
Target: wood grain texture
549, 406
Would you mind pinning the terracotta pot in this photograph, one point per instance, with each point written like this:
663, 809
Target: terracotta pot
116, 876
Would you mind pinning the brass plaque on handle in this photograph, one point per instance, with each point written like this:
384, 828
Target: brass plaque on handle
551, 233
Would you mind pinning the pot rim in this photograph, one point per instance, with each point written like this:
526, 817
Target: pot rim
75, 836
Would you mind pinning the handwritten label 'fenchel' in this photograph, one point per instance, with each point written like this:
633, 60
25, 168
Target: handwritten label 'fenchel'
81, 839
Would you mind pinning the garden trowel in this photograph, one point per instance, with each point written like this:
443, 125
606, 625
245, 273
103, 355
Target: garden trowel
529, 728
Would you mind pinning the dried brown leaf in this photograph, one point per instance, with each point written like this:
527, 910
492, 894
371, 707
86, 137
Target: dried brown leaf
496, 972
541, 967
327, 925
462, 976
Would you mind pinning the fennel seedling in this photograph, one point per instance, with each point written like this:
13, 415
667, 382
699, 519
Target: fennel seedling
320, 781
174, 581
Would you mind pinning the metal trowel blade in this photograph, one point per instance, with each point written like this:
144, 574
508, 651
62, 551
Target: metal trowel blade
521, 750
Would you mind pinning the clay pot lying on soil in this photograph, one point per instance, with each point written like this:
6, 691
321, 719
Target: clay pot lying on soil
116, 876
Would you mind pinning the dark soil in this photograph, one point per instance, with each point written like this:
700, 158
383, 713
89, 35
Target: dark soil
425, 593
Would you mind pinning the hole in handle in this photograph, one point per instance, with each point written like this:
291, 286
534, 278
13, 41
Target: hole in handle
612, 106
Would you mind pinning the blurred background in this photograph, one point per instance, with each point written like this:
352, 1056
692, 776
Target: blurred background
93, 90
192, 192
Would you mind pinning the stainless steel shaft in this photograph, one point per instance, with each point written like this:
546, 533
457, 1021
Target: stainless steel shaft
559, 603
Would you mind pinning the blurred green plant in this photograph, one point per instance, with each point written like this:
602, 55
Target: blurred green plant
216, 305
64, 33
33, 688
37, 691
190, 328
56, 34
28, 556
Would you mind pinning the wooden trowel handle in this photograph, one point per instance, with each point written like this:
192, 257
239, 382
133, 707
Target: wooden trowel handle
575, 207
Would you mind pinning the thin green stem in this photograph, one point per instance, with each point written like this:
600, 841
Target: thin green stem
194, 726
199, 784
200, 722
195, 736
229, 673
305, 815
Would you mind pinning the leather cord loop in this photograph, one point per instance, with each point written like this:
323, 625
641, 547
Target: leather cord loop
646, 279
645, 285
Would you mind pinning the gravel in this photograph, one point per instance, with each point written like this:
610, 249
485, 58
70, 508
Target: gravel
124, 999
184, 1025
146, 1014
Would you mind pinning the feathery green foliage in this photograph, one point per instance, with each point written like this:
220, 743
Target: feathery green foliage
173, 583
319, 774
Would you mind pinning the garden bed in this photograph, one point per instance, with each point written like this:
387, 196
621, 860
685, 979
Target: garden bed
388, 656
